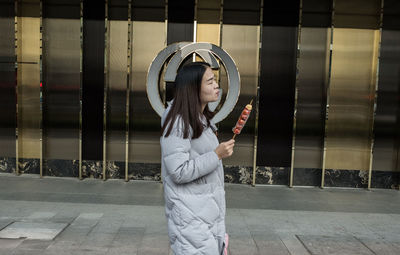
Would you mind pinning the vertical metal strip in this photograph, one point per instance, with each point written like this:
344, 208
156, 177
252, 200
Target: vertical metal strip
221, 12
296, 95
16, 86
128, 88
221, 16
195, 24
372, 136
327, 97
105, 89
253, 183
166, 26
195, 27
80, 91
164, 96
41, 87
164, 84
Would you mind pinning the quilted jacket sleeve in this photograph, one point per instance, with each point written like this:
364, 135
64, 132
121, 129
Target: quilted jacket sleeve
179, 166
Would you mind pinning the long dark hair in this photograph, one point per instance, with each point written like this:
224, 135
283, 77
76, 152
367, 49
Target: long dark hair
187, 104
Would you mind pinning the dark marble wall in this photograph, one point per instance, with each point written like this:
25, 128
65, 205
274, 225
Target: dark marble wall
142, 171
346, 178
238, 174
61, 168
92, 169
385, 180
7, 165
307, 177
29, 165
272, 175
233, 174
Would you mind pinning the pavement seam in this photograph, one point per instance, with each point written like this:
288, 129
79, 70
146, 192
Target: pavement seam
301, 241
364, 244
251, 234
66, 226
287, 247
7, 225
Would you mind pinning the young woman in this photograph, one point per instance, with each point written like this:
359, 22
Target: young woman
192, 170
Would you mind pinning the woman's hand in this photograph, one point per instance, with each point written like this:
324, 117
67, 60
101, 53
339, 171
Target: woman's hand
225, 149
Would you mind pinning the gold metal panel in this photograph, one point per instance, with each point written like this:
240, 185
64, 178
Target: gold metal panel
349, 128
7, 90
144, 138
117, 75
208, 33
242, 44
313, 66
208, 4
29, 39
61, 68
208, 11
28, 79
146, 46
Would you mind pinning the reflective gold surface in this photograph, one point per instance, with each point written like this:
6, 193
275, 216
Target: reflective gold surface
144, 138
351, 92
208, 33
349, 127
117, 75
61, 78
7, 90
241, 43
208, 11
313, 65
28, 79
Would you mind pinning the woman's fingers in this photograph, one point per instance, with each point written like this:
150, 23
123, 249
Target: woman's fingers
230, 142
225, 149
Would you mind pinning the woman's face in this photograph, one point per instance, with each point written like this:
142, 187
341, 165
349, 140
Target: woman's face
209, 87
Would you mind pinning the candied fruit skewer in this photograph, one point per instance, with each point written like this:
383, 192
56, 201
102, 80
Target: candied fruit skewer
242, 119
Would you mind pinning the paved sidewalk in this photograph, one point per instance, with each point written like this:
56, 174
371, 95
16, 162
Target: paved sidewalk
117, 217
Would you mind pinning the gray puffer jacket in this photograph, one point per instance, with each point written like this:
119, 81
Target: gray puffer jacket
193, 178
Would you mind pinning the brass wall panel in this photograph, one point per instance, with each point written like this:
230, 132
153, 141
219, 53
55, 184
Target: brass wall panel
117, 78
61, 87
354, 59
208, 33
7, 88
387, 123
312, 83
357, 14
144, 138
28, 79
242, 43
208, 11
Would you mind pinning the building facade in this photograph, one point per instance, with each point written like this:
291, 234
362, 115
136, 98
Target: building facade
324, 76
